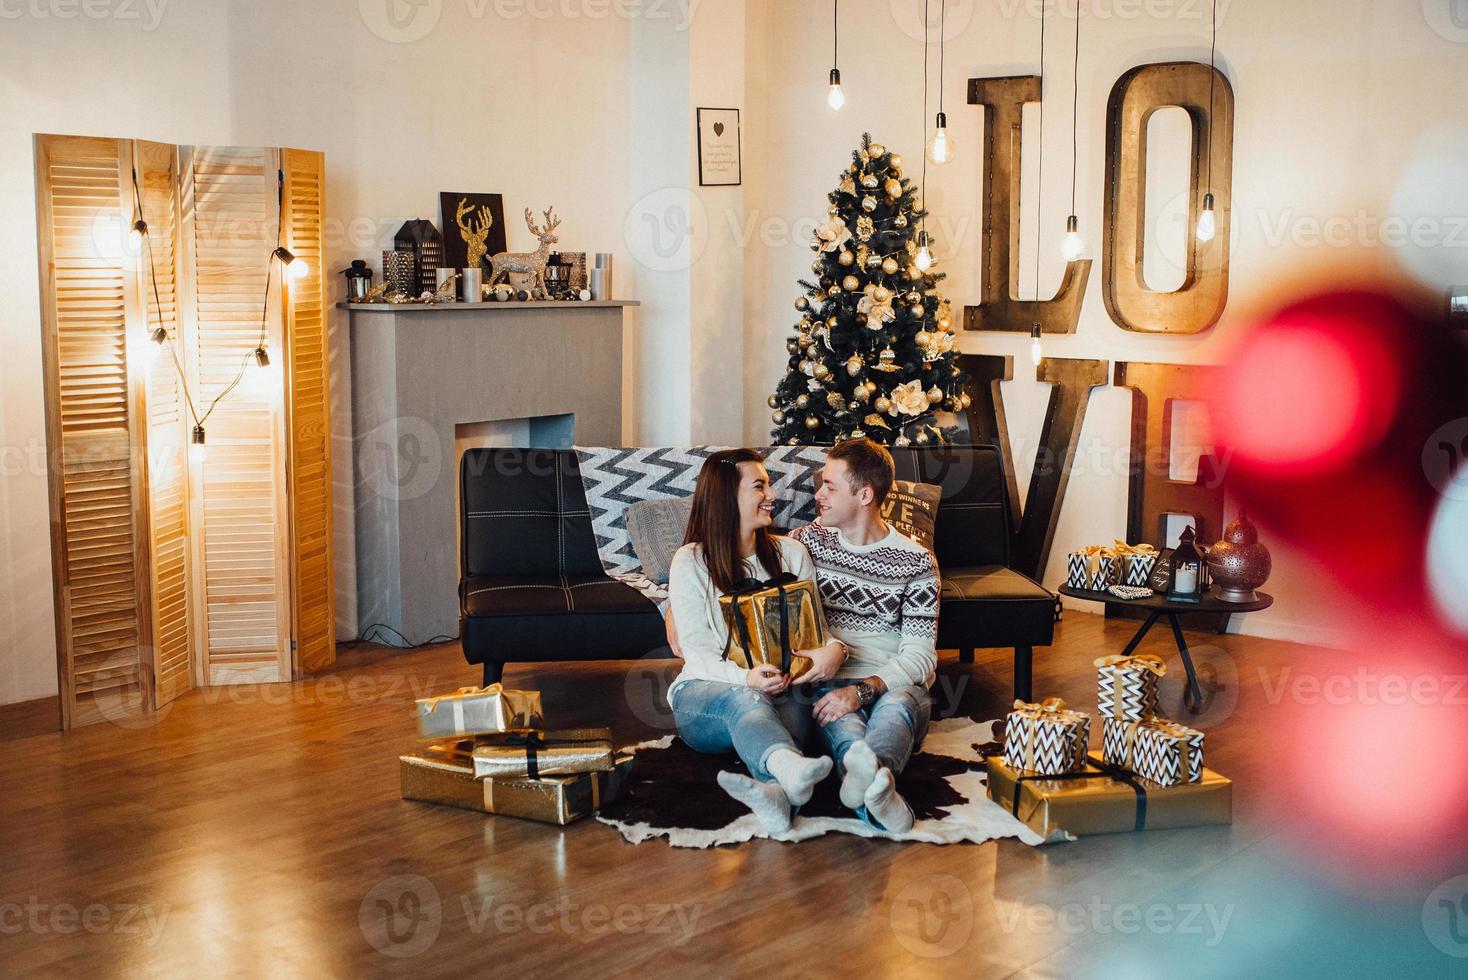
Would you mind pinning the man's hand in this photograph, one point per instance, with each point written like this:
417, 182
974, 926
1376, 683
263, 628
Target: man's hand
767, 679
837, 703
673, 637
825, 662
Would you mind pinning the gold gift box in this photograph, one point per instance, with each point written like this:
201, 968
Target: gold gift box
477, 711
756, 615
446, 776
532, 755
1093, 801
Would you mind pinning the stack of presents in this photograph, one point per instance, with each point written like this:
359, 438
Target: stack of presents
1149, 775
484, 749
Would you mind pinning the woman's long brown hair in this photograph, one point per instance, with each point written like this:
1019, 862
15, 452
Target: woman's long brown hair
714, 522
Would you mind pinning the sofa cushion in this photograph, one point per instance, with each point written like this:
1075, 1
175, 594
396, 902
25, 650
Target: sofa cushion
656, 528
545, 595
524, 513
973, 518
991, 605
912, 508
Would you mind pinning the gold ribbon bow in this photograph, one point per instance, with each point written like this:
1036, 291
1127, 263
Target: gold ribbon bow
1037, 711
1146, 661
1164, 726
431, 704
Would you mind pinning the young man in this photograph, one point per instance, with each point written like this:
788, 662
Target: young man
879, 591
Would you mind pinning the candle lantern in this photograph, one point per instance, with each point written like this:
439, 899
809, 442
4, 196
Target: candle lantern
1185, 570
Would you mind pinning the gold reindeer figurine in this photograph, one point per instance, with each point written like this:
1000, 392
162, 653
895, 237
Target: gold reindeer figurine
531, 265
474, 231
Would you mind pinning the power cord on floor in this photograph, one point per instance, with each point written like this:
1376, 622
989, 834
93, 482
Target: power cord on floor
379, 633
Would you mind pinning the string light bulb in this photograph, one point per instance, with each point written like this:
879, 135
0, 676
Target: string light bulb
293, 263
1207, 227
157, 337
197, 450
1036, 354
1072, 246
835, 98
138, 232
940, 144
924, 259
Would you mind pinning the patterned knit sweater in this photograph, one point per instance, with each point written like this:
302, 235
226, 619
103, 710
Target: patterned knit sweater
881, 600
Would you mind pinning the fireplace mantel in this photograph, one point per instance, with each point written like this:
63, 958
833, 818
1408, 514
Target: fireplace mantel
418, 371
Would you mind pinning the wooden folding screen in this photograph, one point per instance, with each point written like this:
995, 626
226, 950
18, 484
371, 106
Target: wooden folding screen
172, 573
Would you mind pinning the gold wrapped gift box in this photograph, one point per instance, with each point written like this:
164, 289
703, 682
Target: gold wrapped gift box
477, 711
1095, 801
753, 618
446, 776
532, 755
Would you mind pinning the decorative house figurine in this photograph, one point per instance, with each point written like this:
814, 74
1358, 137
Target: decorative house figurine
1185, 570
420, 237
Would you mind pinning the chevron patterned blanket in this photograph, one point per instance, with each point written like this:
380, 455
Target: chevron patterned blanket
615, 478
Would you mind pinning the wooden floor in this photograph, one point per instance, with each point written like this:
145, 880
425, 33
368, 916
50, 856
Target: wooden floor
258, 831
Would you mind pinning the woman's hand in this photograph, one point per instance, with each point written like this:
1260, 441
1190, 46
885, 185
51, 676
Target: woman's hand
767, 679
825, 661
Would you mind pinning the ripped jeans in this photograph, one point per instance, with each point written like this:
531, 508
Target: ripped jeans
713, 716
893, 727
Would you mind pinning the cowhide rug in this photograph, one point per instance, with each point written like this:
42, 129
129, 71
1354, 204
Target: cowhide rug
671, 793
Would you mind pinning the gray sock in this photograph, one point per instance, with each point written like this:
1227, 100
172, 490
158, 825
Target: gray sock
861, 766
887, 805
796, 774
766, 800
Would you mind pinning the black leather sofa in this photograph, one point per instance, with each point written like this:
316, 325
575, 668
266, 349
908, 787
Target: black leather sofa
532, 587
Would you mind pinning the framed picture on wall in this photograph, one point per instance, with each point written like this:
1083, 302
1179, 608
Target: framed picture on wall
718, 147
473, 228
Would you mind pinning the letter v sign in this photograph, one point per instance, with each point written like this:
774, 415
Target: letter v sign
1033, 530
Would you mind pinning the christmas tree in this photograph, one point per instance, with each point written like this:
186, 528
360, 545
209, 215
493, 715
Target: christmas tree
873, 353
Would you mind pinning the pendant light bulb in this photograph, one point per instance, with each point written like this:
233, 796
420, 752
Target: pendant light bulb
835, 98
1036, 354
924, 258
940, 145
138, 231
292, 263
1072, 246
1206, 225
156, 339
197, 451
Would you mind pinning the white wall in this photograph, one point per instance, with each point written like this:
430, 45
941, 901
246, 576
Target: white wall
1334, 104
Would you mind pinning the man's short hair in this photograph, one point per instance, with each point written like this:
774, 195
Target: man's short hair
869, 465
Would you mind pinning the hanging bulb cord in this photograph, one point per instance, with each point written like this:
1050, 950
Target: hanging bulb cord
1212, 51
1075, 90
942, 48
835, 32
158, 302
1040, 157
923, 219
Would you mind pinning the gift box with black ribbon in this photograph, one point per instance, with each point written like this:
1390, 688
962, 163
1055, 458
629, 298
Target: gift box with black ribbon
1046, 737
769, 621
1157, 749
1126, 687
532, 755
444, 774
478, 711
1101, 798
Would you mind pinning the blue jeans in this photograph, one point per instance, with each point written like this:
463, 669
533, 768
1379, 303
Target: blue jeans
893, 727
715, 717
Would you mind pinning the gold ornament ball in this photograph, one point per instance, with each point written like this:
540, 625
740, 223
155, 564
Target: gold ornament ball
914, 297
845, 258
889, 265
882, 405
900, 221
854, 365
802, 401
965, 400
851, 284
833, 210
921, 438
773, 401
792, 441
791, 345
876, 149
914, 273
894, 187
881, 294
869, 204
832, 322
935, 395
821, 371
944, 323
922, 338
804, 341
901, 441
861, 394
834, 290
895, 161
778, 417
873, 261
801, 303
916, 311
869, 181
803, 367
815, 245
811, 422
917, 203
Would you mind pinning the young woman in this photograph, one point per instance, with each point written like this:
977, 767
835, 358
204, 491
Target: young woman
717, 704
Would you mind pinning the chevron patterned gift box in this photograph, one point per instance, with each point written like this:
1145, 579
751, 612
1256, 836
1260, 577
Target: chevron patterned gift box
1137, 562
1075, 570
1158, 749
1126, 687
1046, 738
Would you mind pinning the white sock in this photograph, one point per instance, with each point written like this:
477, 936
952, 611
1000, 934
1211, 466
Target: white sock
887, 805
766, 800
861, 767
796, 774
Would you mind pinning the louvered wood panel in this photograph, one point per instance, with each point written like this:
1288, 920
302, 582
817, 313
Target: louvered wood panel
240, 488
168, 427
308, 415
96, 500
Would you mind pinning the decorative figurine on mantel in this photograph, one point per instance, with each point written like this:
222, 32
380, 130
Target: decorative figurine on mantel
475, 230
529, 264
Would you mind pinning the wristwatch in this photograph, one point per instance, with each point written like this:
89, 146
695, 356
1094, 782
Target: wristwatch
865, 693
